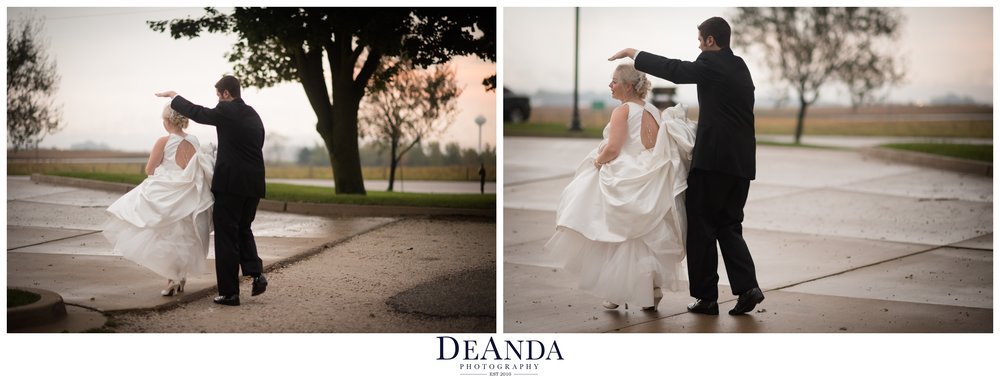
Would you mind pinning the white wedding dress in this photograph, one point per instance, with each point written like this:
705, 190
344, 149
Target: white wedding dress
621, 229
164, 223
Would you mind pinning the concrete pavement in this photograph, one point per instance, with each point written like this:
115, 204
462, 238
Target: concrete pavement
841, 243
54, 243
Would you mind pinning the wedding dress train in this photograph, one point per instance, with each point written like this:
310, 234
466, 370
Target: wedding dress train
621, 229
164, 223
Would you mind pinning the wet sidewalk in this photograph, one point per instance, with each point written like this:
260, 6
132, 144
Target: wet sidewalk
54, 243
841, 244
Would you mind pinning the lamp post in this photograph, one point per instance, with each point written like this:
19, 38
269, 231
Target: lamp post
482, 164
574, 125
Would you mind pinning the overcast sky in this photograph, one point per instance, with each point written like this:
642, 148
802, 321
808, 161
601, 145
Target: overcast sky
111, 63
946, 49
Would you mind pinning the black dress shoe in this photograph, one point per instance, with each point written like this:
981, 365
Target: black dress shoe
259, 285
233, 300
747, 301
704, 307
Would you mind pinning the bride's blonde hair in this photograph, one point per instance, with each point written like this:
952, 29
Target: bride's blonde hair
174, 118
627, 73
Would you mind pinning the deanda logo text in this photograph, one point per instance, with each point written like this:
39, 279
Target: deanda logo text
503, 358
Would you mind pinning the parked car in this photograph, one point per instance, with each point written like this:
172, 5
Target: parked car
516, 108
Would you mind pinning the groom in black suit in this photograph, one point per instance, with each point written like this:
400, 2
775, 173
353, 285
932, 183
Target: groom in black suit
237, 184
722, 167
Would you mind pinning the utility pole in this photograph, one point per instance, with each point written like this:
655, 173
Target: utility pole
574, 125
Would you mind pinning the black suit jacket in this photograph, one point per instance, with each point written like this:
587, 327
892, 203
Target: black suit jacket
725, 140
239, 163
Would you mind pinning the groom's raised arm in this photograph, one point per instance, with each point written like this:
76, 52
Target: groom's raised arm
199, 114
674, 70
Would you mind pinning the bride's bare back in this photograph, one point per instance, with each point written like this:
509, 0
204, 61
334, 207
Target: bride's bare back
185, 150
649, 130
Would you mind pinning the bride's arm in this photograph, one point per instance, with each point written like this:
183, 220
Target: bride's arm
616, 137
156, 156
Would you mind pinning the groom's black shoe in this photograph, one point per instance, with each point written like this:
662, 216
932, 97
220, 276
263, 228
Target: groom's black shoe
704, 307
747, 301
259, 285
233, 300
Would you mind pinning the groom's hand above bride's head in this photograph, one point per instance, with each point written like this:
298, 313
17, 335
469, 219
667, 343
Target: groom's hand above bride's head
627, 52
167, 94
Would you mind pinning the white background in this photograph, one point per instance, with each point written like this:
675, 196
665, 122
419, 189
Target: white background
661, 356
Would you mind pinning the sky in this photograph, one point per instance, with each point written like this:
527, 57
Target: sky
945, 49
111, 63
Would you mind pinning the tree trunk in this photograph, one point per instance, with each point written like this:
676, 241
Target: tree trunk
801, 120
342, 143
337, 124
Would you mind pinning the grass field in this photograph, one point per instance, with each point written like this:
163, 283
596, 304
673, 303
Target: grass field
964, 151
431, 173
549, 130
423, 173
874, 121
21, 168
316, 194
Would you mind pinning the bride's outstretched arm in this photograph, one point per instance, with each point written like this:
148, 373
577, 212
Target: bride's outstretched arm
616, 136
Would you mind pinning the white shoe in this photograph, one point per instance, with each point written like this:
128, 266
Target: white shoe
172, 288
657, 296
609, 305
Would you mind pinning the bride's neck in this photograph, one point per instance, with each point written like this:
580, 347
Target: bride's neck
633, 100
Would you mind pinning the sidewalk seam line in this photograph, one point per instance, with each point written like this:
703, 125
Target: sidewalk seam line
51, 241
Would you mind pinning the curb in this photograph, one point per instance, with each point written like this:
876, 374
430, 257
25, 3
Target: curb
50, 308
323, 209
930, 160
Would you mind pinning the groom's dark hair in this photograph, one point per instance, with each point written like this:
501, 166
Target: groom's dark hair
718, 28
229, 83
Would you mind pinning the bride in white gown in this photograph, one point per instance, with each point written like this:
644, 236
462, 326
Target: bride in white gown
620, 224
164, 223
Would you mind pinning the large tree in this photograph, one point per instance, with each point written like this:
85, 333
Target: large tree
290, 44
413, 105
808, 48
32, 81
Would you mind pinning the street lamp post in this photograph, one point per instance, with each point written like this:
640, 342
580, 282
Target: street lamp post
574, 125
480, 120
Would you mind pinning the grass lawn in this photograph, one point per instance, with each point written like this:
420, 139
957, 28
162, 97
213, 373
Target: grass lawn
20, 298
283, 170
964, 151
823, 127
132, 179
775, 143
316, 194
549, 130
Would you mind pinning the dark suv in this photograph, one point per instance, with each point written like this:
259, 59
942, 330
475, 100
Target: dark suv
516, 108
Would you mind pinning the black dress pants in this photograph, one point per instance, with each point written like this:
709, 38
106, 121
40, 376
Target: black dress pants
715, 203
235, 248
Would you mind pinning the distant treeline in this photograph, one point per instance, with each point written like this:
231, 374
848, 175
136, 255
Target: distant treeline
430, 154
